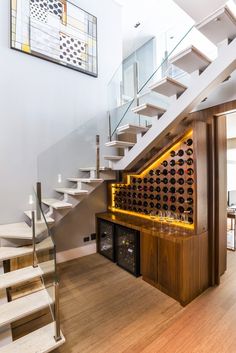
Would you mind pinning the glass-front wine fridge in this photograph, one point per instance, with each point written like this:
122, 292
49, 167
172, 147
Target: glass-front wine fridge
128, 249
106, 239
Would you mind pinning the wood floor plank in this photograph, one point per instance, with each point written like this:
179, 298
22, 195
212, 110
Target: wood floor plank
105, 309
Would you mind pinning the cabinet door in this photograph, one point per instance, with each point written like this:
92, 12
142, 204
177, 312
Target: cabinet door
149, 253
105, 239
169, 266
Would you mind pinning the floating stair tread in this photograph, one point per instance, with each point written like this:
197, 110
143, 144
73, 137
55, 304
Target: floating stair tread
119, 144
132, 129
85, 180
148, 109
25, 274
7, 253
190, 60
113, 158
24, 306
15, 231
219, 25
89, 169
71, 191
168, 87
57, 204
39, 341
48, 219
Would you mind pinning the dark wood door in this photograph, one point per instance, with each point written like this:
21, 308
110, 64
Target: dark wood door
149, 260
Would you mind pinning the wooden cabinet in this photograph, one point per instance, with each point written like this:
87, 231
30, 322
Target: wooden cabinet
149, 258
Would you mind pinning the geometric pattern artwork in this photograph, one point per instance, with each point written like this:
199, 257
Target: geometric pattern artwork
55, 30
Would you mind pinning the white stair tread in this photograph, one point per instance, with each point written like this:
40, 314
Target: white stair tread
190, 60
113, 158
89, 169
119, 144
85, 180
219, 25
71, 191
57, 204
7, 253
39, 341
24, 306
16, 231
48, 219
148, 109
25, 274
168, 87
132, 129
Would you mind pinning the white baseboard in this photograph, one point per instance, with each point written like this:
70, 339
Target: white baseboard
75, 253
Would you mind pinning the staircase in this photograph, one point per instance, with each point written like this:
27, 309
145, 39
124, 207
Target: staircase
205, 76
31, 238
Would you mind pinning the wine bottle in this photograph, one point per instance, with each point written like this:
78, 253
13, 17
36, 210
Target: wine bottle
158, 198
189, 161
158, 206
180, 171
189, 211
164, 163
165, 198
180, 153
189, 151
180, 191
190, 220
172, 171
180, 181
140, 187
151, 172
134, 187
158, 172
151, 180
173, 208
189, 200
134, 202
134, 180
140, 203
139, 195
151, 188
172, 153
181, 199
172, 163
151, 205
180, 162
145, 180
158, 180
158, 189
145, 203
165, 189
190, 171
190, 181
172, 189
189, 142
165, 172
181, 209
165, 181
172, 198
172, 181
165, 207
190, 191
145, 188
151, 197
145, 196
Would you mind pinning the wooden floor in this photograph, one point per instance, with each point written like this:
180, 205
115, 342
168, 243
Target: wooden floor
105, 309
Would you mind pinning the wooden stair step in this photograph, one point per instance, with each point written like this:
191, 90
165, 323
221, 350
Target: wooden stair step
16, 231
89, 169
113, 158
119, 144
168, 87
49, 220
25, 274
71, 191
39, 341
85, 180
190, 60
132, 129
7, 253
57, 204
218, 26
149, 110
27, 305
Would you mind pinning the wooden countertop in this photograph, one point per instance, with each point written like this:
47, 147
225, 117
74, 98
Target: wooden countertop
145, 225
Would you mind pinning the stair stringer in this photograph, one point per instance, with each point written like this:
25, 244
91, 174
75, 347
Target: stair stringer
200, 88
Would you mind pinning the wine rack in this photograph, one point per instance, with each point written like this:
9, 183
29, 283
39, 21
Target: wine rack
167, 186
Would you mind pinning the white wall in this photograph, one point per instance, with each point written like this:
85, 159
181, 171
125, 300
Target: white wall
42, 102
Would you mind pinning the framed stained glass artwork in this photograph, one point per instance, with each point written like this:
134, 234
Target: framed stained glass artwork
55, 30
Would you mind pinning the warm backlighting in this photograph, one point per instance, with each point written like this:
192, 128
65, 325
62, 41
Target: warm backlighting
145, 172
